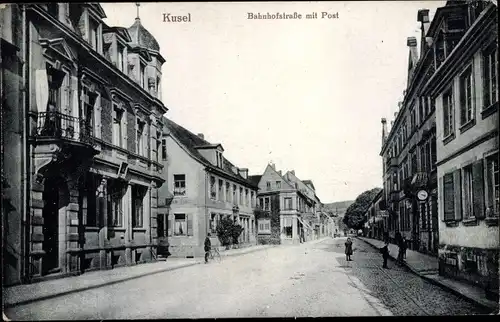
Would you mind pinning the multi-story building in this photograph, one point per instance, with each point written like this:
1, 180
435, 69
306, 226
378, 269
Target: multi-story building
465, 90
202, 187
286, 198
375, 216
93, 125
409, 153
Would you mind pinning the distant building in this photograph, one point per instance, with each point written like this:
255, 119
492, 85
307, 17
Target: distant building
202, 188
375, 216
287, 198
465, 91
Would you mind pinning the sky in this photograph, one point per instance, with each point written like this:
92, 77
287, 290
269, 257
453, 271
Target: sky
307, 95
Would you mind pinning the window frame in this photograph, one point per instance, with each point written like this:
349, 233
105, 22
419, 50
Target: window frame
466, 95
448, 113
489, 66
179, 184
185, 220
467, 187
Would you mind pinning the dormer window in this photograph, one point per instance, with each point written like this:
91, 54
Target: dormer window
119, 62
218, 156
93, 34
141, 75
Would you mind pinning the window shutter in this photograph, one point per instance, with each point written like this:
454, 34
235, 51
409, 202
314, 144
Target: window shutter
448, 197
457, 183
478, 189
189, 219
98, 112
489, 185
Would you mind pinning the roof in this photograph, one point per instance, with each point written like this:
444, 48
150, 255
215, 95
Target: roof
309, 182
190, 141
255, 179
142, 37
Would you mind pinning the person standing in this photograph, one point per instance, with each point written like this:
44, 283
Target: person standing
348, 249
208, 247
404, 245
385, 253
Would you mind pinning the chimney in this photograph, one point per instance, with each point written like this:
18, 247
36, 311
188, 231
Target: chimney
279, 172
201, 136
411, 42
272, 165
423, 18
292, 172
400, 104
244, 172
384, 130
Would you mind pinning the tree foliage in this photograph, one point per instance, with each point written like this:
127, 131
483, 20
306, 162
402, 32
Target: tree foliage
355, 214
228, 232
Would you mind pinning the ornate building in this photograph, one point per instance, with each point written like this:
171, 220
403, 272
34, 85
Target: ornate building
93, 125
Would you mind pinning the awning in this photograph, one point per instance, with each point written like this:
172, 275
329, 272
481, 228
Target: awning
304, 223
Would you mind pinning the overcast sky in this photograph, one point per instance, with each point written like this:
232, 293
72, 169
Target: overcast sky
307, 95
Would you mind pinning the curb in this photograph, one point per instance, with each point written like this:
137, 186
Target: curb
250, 251
51, 296
437, 283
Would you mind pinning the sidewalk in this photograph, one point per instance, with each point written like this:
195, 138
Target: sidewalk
427, 268
27, 293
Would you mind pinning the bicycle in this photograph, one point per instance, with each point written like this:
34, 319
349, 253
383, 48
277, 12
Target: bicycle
214, 254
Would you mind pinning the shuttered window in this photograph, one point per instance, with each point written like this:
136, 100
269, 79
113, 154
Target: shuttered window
448, 197
492, 186
467, 192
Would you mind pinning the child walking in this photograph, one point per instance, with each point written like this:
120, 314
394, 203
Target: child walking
348, 249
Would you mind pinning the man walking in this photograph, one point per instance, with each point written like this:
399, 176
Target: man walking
208, 247
385, 253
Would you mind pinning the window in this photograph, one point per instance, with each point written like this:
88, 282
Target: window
264, 226
433, 153
180, 228
278, 184
268, 185
247, 201
53, 9
115, 213
448, 112
179, 184
234, 194
414, 168
228, 194
261, 203
492, 186
213, 222
413, 119
213, 190
490, 81
267, 204
141, 75
137, 207
118, 128
241, 201
91, 201
94, 35
121, 62
164, 149
288, 203
139, 140
467, 191
466, 105
423, 216
253, 199
221, 188
218, 156
288, 227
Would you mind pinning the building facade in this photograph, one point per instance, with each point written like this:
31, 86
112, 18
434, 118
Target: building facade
374, 216
93, 120
284, 197
409, 154
202, 187
465, 90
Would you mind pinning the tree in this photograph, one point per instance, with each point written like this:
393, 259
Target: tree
228, 232
354, 217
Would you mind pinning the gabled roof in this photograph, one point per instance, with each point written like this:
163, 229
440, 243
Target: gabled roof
189, 141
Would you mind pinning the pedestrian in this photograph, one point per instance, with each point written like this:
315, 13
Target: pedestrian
208, 247
385, 253
405, 247
348, 249
401, 250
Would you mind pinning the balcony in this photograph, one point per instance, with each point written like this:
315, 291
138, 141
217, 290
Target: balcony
55, 125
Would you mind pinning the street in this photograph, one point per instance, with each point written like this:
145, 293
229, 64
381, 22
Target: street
285, 281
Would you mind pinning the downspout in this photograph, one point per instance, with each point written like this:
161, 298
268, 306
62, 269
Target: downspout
25, 160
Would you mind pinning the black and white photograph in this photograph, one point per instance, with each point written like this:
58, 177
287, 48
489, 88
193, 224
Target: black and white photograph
211, 160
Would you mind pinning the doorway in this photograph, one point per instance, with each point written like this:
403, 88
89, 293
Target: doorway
50, 262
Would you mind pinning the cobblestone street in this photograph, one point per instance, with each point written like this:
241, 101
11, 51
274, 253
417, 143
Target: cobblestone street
305, 280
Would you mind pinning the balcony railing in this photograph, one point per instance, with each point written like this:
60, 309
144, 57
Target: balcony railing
62, 126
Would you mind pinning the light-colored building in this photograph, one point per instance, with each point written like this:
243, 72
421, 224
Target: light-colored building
92, 116
375, 216
287, 210
465, 90
202, 187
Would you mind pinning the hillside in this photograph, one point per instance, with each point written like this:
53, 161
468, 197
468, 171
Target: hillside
339, 207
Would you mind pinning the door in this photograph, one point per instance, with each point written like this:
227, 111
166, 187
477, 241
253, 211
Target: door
50, 261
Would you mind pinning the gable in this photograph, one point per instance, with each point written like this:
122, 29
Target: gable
272, 176
59, 48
